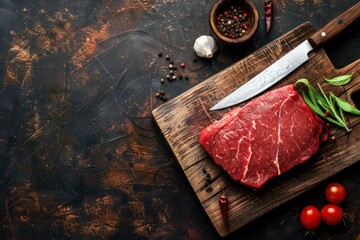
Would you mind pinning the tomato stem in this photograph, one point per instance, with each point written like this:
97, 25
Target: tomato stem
310, 232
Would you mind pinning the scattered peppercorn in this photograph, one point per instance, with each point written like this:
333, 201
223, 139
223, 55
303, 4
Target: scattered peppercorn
207, 183
161, 95
333, 138
173, 74
208, 177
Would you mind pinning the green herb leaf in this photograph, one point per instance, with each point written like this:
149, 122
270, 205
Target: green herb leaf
313, 106
341, 112
340, 80
332, 108
344, 105
331, 104
313, 94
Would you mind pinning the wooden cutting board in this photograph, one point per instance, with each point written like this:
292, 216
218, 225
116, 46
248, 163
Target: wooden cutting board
181, 120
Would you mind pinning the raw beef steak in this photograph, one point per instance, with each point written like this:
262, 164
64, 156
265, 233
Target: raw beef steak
264, 138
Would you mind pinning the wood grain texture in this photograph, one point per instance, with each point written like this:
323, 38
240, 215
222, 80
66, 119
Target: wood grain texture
182, 119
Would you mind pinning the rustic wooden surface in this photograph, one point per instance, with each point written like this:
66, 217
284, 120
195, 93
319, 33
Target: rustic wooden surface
182, 119
80, 154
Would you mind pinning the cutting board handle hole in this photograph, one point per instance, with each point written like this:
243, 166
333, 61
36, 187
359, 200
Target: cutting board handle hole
355, 97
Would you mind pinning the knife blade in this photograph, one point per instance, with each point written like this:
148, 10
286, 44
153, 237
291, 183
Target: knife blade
289, 62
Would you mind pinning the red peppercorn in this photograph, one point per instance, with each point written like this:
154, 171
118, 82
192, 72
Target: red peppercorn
232, 20
182, 65
333, 138
218, 18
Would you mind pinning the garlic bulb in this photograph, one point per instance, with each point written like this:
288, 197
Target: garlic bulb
205, 46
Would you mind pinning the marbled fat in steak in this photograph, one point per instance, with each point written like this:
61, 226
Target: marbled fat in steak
264, 138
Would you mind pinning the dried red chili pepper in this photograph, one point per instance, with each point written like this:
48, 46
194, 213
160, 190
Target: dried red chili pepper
223, 202
268, 5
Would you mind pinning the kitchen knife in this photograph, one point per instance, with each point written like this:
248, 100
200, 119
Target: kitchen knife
291, 61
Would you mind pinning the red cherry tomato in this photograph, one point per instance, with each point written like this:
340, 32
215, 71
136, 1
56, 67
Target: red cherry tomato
335, 193
310, 217
332, 214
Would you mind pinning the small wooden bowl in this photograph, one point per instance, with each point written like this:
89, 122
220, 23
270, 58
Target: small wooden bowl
252, 17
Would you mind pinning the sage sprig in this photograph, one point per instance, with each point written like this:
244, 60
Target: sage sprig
329, 106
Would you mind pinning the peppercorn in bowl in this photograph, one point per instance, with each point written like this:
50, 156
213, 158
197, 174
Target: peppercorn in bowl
234, 21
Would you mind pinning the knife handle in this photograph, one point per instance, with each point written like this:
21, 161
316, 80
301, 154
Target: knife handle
335, 26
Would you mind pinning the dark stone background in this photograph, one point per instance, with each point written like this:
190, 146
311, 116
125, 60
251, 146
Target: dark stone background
80, 155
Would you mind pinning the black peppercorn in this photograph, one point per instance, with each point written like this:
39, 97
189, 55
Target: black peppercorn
208, 177
167, 57
230, 19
